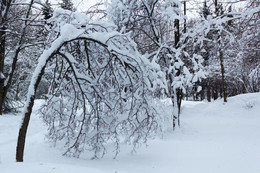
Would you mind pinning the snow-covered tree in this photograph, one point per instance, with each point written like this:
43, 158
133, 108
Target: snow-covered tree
18, 32
4, 7
100, 91
248, 54
156, 28
223, 50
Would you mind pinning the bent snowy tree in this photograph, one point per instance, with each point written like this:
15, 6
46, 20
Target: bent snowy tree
100, 88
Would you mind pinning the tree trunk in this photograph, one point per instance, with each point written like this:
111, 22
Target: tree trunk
2, 58
23, 131
223, 75
216, 7
27, 115
3, 15
185, 22
202, 94
179, 99
221, 56
208, 92
171, 94
178, 91
215, 92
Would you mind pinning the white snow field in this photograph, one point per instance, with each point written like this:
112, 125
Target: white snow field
214, 138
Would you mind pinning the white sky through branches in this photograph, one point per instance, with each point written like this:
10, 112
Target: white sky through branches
193, 6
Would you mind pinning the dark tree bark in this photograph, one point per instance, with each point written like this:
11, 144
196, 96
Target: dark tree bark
202, 93
2, 58
178, 91
208, 92
215, 92
25, 123
27, 115
179, 100
221, 58
185, 22
216, 7
5, 5
224, 92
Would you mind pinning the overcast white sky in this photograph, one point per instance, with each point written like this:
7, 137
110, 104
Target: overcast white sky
81, 5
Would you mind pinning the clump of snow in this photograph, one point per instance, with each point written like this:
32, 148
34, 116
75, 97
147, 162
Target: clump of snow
2, 76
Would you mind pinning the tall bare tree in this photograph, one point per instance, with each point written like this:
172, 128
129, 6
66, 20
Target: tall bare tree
18, 33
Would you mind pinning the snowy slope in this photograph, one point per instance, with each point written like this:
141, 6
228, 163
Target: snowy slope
214, 138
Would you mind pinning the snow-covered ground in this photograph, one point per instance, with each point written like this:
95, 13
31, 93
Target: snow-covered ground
214, 138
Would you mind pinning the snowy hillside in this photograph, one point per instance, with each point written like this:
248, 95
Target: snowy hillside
214, 138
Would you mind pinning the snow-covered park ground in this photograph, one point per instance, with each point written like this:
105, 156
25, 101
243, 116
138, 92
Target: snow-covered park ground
214, 138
